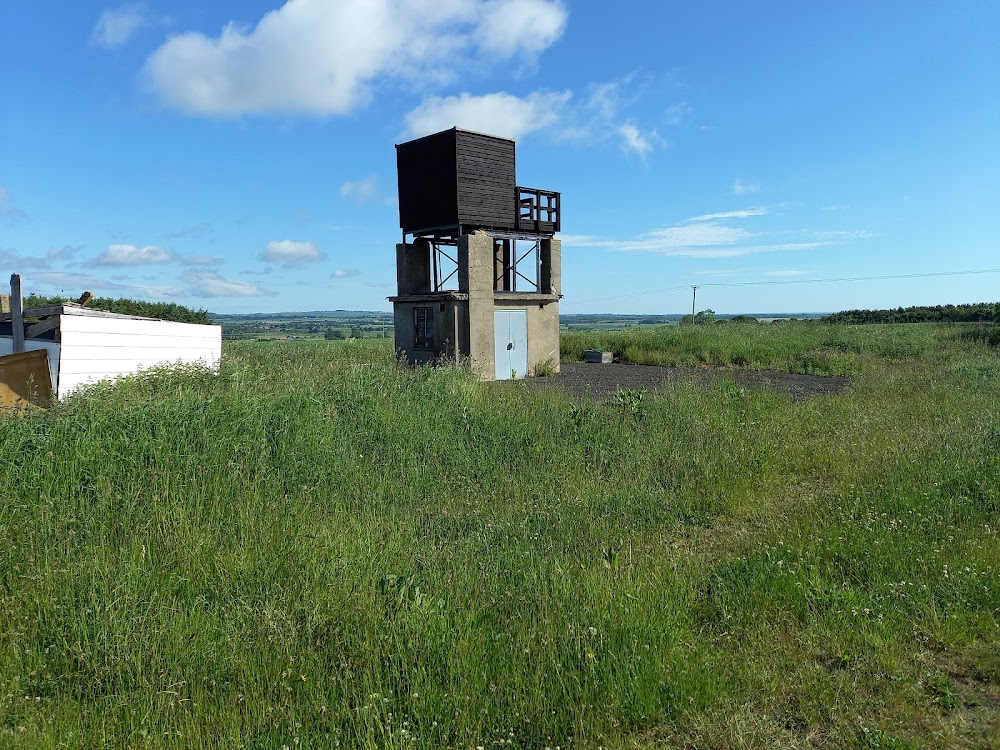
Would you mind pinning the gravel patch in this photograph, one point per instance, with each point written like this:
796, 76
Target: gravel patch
601, 381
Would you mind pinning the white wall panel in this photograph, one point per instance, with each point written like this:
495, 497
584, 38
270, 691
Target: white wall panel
95, 348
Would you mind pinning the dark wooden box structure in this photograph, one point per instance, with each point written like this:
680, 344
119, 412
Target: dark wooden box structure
457, 181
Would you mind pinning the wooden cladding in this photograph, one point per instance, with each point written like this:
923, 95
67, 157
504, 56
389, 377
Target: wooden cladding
460, 179
537, 210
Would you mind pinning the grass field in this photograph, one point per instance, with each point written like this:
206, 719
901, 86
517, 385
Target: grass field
317, 548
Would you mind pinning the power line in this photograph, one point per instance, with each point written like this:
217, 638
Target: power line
790, 281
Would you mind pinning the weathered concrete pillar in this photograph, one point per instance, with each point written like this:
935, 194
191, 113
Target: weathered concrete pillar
551, 270
413, 268
475, 276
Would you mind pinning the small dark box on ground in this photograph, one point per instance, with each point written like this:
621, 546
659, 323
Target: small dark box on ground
599, 358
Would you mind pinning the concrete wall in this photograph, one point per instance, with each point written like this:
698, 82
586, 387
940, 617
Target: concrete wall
475, 259
550, 281
543, 331
464, 321
448, 317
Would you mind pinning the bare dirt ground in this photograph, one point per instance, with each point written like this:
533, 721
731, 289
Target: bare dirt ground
600, 381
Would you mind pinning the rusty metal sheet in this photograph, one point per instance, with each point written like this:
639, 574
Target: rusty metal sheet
24, 379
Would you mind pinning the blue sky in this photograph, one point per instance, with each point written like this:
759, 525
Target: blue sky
239, 155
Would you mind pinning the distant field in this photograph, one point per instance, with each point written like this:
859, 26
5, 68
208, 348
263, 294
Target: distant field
344, 324
318, 548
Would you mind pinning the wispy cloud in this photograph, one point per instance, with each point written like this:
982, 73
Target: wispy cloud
115, 26
634, 141
839, 236
605, 114
361, 191
745, 188
288, 253
195, 231
205, 283
63, 254
717, 235
678, 113
14, 261
787, 272
54, 255
344, 273
7, 207
202, 260
741, 213
317, 57
74, 283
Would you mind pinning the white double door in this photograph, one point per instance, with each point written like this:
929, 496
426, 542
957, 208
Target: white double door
510, 329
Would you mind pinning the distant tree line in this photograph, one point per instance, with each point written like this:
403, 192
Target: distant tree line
160, 310
981, 312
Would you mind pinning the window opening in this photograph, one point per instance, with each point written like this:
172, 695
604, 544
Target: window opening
444, 267
423, 327
519, 266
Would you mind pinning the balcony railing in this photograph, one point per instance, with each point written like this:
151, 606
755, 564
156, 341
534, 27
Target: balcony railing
537, 210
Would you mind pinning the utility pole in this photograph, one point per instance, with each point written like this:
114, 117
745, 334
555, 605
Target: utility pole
694, 296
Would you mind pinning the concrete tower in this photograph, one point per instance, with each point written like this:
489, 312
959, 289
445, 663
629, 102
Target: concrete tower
479, 280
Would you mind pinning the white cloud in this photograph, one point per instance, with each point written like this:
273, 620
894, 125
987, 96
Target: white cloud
635, 141
596, 118
132, 255
115, 26
344, 273
205, 283
361, 190
499, 113
745, 188
319, 57
528, 25
288, 253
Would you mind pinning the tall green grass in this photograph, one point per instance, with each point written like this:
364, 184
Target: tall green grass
797, 346
317, 547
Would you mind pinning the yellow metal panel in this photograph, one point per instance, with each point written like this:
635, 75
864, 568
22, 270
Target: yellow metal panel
24, 379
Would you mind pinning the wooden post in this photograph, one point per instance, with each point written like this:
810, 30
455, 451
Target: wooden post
4, 303
16, 313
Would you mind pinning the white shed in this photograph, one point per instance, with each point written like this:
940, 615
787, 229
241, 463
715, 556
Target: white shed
85, 346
